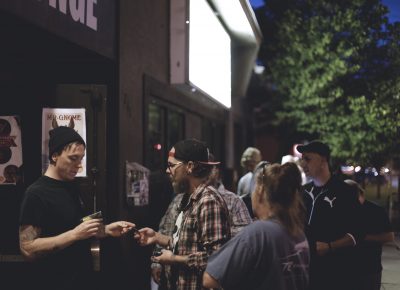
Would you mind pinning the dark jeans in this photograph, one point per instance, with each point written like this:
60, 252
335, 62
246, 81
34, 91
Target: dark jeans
370, 281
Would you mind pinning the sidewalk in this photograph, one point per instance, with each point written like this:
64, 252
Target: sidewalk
391, 265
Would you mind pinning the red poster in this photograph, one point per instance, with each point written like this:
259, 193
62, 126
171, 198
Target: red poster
10, 150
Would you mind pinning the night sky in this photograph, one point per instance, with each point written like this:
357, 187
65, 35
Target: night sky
394, 7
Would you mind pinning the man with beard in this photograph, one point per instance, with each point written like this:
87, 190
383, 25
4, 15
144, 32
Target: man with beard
333, 221
202, 225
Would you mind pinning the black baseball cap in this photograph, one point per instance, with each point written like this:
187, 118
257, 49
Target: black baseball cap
315, 147
192, 150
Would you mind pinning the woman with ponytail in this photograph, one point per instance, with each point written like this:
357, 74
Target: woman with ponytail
272, 252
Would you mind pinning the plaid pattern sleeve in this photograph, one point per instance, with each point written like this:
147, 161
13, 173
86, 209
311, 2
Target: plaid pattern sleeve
238, 212
167, 222
205, 229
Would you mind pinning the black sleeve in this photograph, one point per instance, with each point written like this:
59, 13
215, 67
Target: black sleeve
383, 224
352, 215
32, 210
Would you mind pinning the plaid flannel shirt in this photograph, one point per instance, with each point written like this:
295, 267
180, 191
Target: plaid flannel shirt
205, 228
239, 215
167, 222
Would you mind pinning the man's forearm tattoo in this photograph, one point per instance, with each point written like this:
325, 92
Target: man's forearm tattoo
27, 235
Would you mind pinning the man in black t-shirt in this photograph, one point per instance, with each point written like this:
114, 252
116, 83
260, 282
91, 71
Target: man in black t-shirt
378, 231
332, 221
51, 231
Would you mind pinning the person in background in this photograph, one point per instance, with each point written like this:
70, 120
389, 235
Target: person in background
202, 225
238, 212
378, 230
52, 233
250, 158
333, 225
294, 159
272, 252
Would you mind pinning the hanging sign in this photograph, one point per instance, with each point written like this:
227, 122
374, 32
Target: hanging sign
51, 118
10, 150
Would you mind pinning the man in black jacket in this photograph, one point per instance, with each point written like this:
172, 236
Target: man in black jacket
332, 221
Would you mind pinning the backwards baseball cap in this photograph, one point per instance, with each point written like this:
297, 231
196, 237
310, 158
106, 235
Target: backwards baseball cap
61, 136
192, 150
315, 147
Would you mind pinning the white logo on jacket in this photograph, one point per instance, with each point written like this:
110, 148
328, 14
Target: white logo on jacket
330, 200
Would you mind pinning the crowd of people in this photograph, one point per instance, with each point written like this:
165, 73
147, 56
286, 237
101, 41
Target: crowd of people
276, 233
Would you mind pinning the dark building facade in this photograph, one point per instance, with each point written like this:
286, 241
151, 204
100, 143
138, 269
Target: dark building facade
126, 63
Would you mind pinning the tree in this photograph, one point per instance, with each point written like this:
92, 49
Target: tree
335, 69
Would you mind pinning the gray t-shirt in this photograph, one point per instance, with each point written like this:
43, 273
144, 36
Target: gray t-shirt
245, 184
262, 256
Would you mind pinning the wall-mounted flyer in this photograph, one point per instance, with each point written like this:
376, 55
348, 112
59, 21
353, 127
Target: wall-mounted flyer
53, 117
137, 184
10, 150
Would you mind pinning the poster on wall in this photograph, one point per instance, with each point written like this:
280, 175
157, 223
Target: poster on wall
54, 117
10, 150
137, 184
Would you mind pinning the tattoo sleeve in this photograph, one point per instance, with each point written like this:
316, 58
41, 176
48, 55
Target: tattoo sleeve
29, 245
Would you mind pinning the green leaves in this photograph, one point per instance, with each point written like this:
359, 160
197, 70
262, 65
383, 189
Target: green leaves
336, 69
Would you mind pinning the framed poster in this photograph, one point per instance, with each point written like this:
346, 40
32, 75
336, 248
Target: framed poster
10, 150
137, 184
53, 117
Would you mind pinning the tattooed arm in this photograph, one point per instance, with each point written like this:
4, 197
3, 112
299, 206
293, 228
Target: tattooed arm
33, 246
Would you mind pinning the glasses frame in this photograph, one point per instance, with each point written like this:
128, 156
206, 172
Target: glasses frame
172, 166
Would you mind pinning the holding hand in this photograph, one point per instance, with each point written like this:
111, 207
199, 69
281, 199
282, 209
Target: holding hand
87, 229
166, 258
117, 229
146, 236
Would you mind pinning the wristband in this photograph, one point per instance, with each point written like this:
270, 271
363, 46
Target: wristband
330, 246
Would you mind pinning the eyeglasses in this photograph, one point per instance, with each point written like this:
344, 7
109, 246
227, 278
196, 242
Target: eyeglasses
172, 165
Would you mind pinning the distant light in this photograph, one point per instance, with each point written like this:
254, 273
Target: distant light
357, 169
259, 69
347, 169
157, 146
385, 170
187, 22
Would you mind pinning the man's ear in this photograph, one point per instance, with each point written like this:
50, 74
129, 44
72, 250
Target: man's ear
54, 157
190, 166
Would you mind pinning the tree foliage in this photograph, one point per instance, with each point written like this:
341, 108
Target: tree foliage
335, 66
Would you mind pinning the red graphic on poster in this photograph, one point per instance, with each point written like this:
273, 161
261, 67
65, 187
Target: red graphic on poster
10, 150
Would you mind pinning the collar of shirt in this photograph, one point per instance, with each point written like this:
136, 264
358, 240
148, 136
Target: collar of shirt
198, 192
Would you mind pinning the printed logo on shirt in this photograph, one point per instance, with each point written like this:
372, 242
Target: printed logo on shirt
330, 201
296, 263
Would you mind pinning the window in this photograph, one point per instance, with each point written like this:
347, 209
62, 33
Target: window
165, 128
